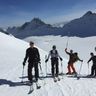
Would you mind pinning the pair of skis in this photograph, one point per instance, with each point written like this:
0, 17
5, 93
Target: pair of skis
32, 89
78, 76
56, 79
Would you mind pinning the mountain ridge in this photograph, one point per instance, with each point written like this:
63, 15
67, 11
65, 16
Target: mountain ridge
81, 27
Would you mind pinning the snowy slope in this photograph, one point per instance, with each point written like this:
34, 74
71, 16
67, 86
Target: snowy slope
12, 52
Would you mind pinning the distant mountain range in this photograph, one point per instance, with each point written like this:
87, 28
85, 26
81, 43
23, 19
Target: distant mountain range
60, 24
82, 27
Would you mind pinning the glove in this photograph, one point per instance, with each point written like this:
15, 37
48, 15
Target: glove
65, 49
23, 63
46, 60
61, 59
81, 60
39, 62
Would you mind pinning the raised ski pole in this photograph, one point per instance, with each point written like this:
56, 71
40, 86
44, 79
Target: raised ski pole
67, 39
22, 73
78, 77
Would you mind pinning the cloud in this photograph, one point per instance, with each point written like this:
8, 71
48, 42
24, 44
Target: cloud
17, 16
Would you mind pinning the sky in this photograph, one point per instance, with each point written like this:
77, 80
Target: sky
16, 12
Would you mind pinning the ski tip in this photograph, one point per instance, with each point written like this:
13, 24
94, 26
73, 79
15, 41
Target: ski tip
58, 79
38, 87
78, 78
30, 91
55, 80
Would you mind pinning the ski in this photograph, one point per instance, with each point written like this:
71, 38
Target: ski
56, 79
38, 87
31, 88
87, 76
25, 83
30, 91
81, 76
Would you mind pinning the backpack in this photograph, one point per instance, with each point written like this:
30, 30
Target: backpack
54, 53
75, 57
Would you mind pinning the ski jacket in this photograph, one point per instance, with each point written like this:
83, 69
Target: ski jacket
53, 54
32, 54
72, 57
76, 58
93, 60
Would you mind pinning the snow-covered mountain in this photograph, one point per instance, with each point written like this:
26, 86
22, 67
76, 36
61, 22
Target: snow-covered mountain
3, 31
60, 24
12, 53
82, 27
34, 28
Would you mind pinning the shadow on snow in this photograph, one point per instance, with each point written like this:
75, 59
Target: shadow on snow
11, 83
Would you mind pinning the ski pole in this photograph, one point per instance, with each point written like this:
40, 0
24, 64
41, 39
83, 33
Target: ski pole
80, 68
46, 65
40, 68
61, 69
67, 40
22, 73
78, 77
88, 68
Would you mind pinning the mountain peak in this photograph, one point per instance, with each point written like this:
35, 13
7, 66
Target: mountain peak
37, 21
89, 13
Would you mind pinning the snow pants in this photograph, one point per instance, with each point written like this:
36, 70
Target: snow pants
71, 66
32, 65
93, 70
54, 67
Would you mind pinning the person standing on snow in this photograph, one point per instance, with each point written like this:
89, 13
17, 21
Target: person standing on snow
32, 54
73, 57
54, 61
95, 48
93, 68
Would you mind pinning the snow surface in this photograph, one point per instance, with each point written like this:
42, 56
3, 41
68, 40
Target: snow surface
12, 53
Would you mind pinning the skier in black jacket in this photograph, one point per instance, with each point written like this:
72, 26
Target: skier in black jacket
32, 54
54, 61
93, 68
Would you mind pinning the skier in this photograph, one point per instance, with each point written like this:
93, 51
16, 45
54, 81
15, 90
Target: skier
32, 54
73, 57
95, 48
54, 61
93, 68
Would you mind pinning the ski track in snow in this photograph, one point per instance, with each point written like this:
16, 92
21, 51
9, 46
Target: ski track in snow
74, 88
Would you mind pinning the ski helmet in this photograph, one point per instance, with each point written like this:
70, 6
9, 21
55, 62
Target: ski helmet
54, 47
31, 43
